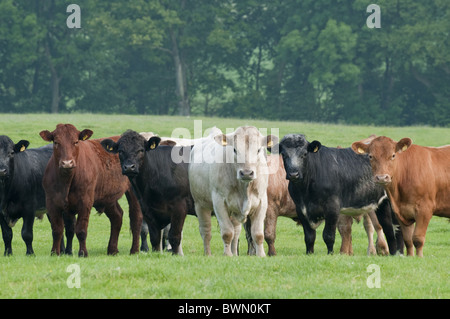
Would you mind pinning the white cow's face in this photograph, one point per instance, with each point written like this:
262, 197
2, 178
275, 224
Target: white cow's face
249, 148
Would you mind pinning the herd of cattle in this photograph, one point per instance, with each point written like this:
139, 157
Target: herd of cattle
395, 186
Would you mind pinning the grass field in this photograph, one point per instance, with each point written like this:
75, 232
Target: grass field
291, 274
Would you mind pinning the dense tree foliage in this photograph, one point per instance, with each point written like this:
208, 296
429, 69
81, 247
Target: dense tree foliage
312, 60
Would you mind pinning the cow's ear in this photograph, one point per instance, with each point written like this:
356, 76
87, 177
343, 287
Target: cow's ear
314, 147
168, 143
221, 139
271, 142
360, 148
152, 143
46, 136
85, 134
110, 146
21, 146
403, 144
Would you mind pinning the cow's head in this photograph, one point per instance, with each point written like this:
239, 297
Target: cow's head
131, 148
66, 140
7, 151
383, 153
295, 148
249, 147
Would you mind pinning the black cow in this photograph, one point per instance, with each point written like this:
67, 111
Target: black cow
327, 181
161, 185
21, 191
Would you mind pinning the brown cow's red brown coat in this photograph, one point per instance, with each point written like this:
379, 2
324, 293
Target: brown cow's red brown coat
417, 181
81, 175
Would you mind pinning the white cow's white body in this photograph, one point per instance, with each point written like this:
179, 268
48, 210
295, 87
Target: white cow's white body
219, 183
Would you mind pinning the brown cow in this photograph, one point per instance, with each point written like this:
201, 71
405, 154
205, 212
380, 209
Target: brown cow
81, 175
417, 181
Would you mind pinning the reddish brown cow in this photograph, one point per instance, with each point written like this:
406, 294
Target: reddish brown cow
417, 181
81, 175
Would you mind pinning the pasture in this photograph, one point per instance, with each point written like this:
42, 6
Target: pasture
290, 274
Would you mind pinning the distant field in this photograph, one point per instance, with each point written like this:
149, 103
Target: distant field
291, 274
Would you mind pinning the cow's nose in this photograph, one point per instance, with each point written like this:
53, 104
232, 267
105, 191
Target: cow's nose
129, 168
246, 174
383, 179
67, 164
293, 175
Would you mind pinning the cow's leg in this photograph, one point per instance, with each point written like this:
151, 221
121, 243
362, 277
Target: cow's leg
258, 230
251, 250
368, 227
407, 232
57, 225
204, 225
310, 238
270, 227
81, 229
384, 216
69, 225
144, 233
381, 244
345, 230
176, 228
115, 215
329, 231
7, 235
236, 233
27, 233
422, 220
136, 219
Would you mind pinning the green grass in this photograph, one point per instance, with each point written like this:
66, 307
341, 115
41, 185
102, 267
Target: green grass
291, 274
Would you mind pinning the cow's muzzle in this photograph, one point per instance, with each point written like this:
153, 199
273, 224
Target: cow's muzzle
246, 175
67, 164
293, 176
383, 179
130, 170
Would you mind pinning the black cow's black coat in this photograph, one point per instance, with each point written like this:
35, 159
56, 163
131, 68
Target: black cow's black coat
325, 180
21, 191
161, 185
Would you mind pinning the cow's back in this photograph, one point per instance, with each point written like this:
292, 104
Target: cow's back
342, 174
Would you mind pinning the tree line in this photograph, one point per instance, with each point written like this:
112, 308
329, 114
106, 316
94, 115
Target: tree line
313, 60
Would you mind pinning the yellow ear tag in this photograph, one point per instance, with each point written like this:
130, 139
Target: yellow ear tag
404, 148
153, 146
85, 138
360, 150
22, 148
270, 143
109, 147
224, 142
316, 149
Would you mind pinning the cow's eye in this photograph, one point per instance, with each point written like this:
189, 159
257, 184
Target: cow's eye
234, 150
75, 143
11, 153
370, 156
393, 156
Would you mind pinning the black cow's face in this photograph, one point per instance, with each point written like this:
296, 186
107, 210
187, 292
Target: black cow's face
7, 151
295, 148
131, 148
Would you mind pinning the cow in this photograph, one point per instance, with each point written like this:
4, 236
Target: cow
161, 184
228, 175
417, 181
21, 191
325, 182
80, 175
280, 203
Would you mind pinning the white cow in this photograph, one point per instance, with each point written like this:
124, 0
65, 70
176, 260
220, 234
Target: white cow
228, 175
